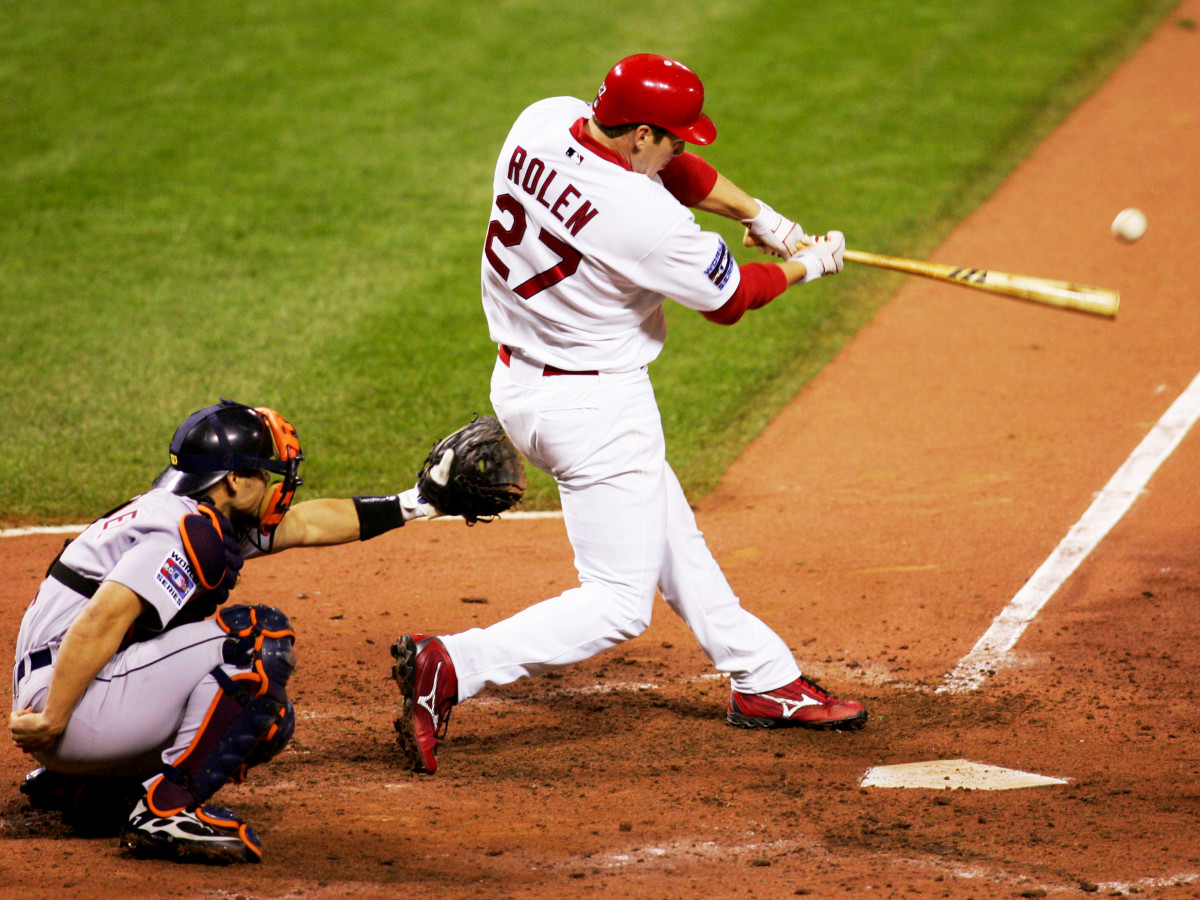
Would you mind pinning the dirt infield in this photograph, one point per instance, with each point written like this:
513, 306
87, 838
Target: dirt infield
880, 524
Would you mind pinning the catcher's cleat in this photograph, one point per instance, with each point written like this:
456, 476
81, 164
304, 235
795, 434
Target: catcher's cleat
429, 690
204, 834
46, 789
93, 805
802, 703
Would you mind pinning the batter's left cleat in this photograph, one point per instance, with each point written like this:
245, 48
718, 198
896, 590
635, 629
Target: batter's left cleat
802, 703
429, 689
203, 834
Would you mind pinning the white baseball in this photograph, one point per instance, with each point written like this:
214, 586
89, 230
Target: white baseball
1129, 225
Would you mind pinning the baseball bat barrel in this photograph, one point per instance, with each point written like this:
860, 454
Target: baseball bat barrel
1084, 298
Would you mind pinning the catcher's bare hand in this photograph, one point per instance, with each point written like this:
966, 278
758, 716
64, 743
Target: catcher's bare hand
32, 731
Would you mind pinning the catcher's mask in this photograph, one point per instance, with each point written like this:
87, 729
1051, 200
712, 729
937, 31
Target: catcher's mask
233, 437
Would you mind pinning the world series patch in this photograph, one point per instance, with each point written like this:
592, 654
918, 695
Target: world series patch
175, 577
721, 267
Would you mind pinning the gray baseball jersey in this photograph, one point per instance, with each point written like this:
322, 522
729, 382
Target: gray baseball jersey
138, 545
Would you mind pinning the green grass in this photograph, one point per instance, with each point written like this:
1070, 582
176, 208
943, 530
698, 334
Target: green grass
285, 204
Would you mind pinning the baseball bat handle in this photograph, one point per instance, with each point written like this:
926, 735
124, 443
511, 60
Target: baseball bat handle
1084, 298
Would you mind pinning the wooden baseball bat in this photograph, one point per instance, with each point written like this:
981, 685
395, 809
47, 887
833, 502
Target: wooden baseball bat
1063, 294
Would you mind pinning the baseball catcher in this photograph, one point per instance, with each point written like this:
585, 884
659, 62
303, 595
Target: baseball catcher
139, 690
475, 473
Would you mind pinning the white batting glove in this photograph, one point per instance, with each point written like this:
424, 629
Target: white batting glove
773, 233
822, 256
413, 505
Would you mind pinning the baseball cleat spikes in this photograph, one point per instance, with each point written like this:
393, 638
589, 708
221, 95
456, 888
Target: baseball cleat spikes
428, 690
201, 834
404, 652
802, 703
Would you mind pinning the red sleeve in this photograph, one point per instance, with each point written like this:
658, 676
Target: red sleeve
761, 283
689, 178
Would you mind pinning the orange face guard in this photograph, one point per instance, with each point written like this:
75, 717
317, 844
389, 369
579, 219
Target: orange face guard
288, 453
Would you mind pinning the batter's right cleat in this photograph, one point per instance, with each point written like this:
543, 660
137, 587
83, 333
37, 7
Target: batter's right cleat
429, 689
203, 834
802, 703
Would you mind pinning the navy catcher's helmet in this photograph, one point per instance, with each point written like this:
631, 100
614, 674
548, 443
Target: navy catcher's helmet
217, 440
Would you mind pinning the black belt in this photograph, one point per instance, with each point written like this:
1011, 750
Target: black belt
37, 659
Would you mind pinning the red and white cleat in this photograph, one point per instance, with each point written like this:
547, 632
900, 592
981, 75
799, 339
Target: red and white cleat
802, 703
429, 690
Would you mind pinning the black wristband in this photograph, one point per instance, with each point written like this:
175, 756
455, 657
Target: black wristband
377, 515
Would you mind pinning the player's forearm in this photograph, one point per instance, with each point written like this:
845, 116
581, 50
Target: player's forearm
316, 523
793, 271
91, 641
760, 284
728, 200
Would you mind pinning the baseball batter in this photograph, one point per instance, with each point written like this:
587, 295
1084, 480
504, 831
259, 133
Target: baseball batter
591, 231
138, 690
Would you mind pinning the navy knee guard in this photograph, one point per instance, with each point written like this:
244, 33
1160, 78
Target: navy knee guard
260, 639
250, 720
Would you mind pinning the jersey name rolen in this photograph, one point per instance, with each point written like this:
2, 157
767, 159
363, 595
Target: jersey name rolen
534, 178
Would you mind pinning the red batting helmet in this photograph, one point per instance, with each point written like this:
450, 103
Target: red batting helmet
655, 90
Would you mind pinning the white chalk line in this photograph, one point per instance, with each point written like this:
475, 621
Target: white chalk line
78, 529
1106, 510
657, 856
42, 529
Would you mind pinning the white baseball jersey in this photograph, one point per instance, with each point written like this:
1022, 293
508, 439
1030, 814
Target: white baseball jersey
580, 254
138, 545
581, 251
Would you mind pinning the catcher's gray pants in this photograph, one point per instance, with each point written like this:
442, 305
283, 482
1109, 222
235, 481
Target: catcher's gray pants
142, 710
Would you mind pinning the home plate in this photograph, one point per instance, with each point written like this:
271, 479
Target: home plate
945, 774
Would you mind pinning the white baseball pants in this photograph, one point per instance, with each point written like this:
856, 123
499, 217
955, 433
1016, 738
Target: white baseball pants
632, 531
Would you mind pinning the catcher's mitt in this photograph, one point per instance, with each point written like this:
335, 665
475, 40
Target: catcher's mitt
474, 473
